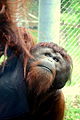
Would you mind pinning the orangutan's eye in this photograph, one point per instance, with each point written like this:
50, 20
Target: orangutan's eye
56, 59
47, 54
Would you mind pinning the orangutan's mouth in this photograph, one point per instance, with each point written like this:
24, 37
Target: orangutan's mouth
46, 68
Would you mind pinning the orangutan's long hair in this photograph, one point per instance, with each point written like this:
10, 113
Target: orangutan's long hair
11, 35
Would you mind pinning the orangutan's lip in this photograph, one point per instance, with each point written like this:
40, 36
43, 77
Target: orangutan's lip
46, 68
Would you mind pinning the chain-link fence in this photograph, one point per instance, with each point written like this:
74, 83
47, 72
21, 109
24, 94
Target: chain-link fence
70, 33
69, 30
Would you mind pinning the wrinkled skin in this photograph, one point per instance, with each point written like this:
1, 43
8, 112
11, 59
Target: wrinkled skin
47, 73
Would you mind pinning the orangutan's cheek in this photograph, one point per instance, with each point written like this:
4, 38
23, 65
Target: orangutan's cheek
40, 79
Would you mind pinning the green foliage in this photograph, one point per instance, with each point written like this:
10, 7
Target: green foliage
70, 27
70, 19
65, 4
72, 107
34, 34
73, 5
2, 59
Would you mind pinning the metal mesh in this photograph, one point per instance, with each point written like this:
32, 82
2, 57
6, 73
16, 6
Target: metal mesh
69, 29
70, 33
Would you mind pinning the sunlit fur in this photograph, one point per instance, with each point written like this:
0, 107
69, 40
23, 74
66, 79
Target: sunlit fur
11, 36
47, 73
39, 79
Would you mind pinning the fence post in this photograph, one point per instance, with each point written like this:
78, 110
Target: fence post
49, 21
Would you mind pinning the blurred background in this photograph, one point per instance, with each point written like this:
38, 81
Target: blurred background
69, 38
67, 17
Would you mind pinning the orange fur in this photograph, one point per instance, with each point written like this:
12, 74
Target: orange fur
47, 73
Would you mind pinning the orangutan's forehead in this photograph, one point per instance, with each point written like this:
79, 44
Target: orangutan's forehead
50, 49
41, 50
45, 49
